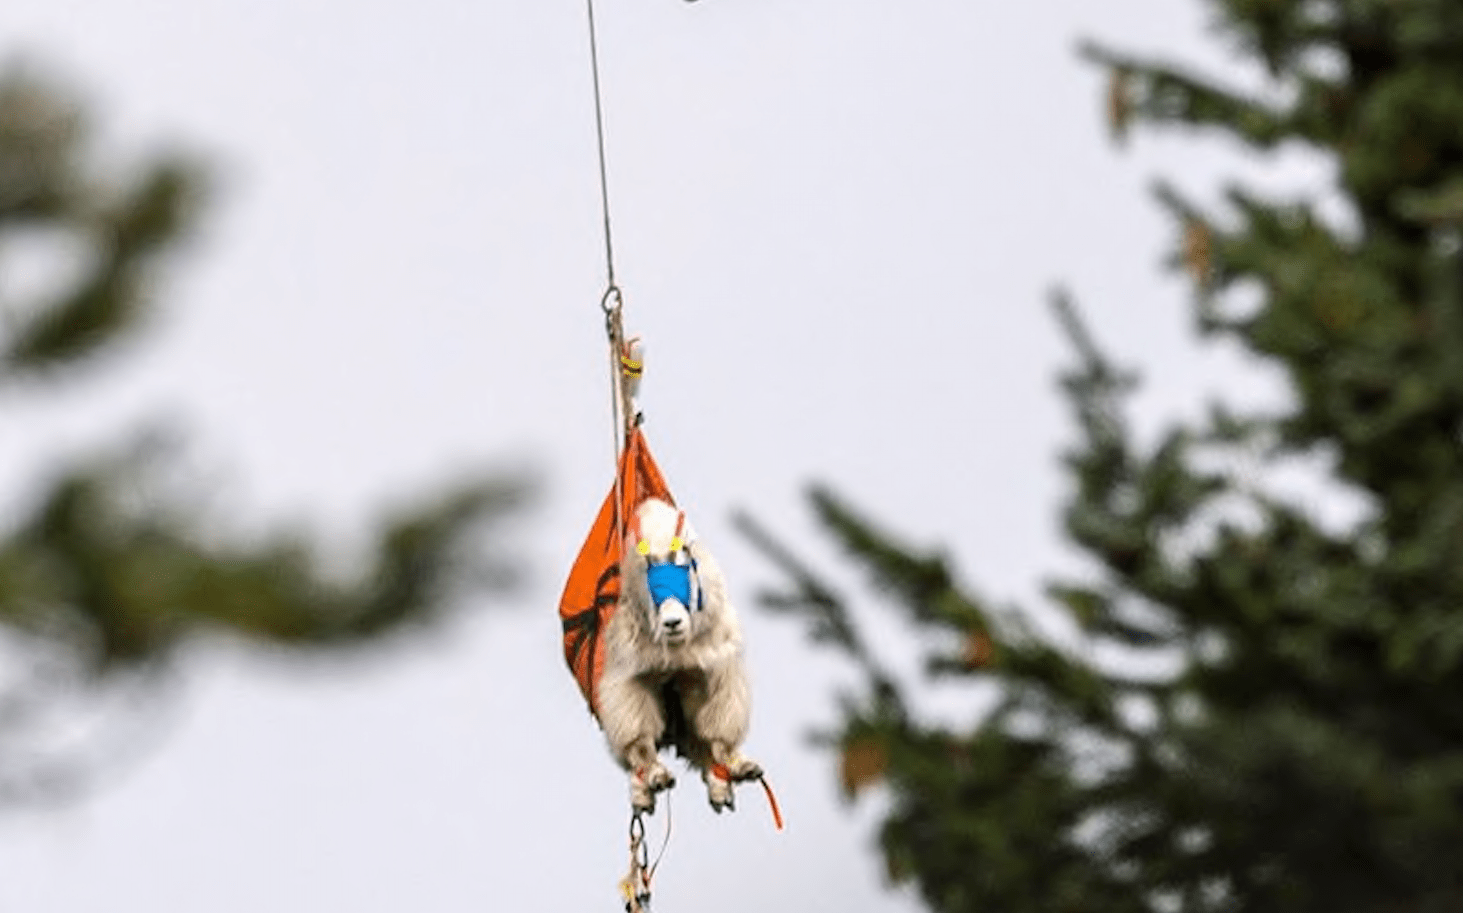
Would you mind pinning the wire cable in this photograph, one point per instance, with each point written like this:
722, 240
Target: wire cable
599, 128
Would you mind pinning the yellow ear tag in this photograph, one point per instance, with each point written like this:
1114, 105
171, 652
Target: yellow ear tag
676, 544
643, 547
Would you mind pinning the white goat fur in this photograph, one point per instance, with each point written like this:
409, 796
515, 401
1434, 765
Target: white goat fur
704, 668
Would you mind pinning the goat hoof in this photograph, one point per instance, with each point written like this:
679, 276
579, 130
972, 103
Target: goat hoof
720, 792
642, 801
743, 769
722, 798
660, 779
644, 784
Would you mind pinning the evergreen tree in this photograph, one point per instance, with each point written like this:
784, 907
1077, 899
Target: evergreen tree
109, 566
1301, 748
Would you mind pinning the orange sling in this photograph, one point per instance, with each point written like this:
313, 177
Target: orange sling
593, 589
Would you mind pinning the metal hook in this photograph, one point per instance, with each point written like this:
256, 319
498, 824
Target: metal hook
613, 305
613, 298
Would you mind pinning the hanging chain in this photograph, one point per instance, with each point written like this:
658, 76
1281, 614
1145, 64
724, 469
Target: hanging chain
635, 888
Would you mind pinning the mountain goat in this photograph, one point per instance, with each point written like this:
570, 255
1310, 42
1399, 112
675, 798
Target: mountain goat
673, 673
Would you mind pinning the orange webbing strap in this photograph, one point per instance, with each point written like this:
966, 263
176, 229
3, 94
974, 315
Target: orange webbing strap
772, 802
721, 772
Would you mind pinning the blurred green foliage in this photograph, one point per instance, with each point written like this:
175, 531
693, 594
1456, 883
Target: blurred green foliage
109, 565
1261, 712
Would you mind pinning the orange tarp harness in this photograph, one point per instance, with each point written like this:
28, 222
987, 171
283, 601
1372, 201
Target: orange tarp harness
593, 589
592, 592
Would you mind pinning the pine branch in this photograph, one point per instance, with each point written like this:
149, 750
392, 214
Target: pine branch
1157, 93
47, 183
125, 583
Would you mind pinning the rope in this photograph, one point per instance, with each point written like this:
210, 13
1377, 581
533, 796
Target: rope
615, 330
665, 842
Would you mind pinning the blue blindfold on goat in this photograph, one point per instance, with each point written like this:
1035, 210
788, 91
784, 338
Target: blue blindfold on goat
674, 581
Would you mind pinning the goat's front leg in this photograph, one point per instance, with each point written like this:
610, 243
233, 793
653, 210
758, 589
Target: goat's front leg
633, 721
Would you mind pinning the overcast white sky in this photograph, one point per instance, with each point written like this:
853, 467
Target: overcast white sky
836, 223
